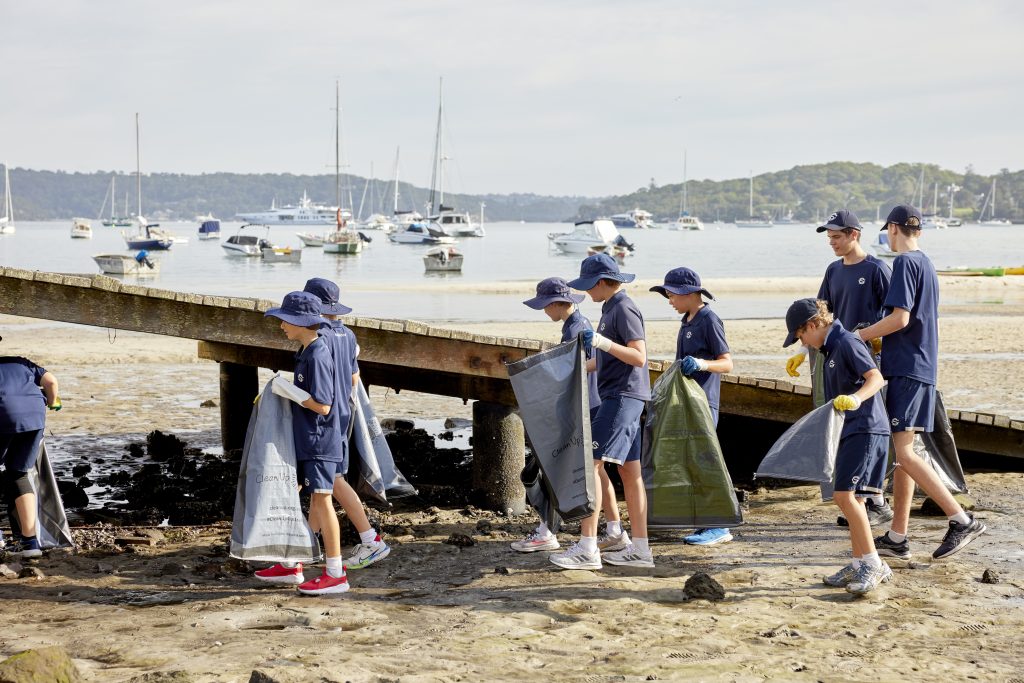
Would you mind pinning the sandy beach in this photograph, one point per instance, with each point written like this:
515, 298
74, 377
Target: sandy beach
180, 610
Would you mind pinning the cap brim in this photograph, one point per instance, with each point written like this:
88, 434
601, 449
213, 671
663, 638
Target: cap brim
300, 320
823, 228
790, 340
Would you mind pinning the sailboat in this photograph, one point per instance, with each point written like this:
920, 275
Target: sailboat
750, 221
445, 218
344, 240
7, 220
685, 220
123, 221
149, 236
990, 202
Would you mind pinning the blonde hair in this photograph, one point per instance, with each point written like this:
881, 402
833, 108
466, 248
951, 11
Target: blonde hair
823, 318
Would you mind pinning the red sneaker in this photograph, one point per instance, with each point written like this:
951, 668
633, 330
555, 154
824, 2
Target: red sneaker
325, 584
282, 574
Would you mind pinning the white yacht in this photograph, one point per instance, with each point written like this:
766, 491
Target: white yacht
305, 213
419, 233
586, 235
241, 244
637, 218
81, 228
459, 224
687, 223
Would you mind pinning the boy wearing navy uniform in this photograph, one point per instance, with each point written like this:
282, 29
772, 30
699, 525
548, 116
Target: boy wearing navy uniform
560, 304
704, 353
316, 430
26, 391
854, 287
910, 353
624, 384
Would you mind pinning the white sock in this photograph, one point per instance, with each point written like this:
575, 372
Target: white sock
855, 562
368, 536
895, 537
871, 559
335, 568
588, 544
542, 531
613, 528
878, 499
290, 565
640, 545
960, 518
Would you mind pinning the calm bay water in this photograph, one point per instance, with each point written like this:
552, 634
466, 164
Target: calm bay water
387, 280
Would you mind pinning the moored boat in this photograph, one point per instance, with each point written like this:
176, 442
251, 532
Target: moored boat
247, 244
127, 264
637, 218
280, 254
419, 233
304, 213
443, 259
81, 228
585, 235
687, 223
209, 228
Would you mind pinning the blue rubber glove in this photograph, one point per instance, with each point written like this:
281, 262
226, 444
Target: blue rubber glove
588, 341
692, 365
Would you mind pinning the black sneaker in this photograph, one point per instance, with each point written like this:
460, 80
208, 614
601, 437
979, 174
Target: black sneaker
958, 536
878, 514
887, 547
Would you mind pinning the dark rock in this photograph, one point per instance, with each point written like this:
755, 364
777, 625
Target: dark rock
162, 446
484, 526
209, 403
42, 664
930, 508
504, 571
136, 450
701, 586
84, 482
81, 470
990, 576
164, 677
73, 495
397, 424
104, 568
780, 632
458, 423
258, 676
446, 436
460, 540
10, 570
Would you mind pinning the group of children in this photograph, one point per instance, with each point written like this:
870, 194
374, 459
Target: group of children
869, 326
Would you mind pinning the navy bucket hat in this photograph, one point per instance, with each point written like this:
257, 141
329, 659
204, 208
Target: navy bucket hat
598, 267
840, 220
551, 290
901, 214
800, 311
681, 281
328, 293
298, 308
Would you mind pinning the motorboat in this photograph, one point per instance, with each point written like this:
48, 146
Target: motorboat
619, 252
81, 228
443, 259
687, 223
209, 228
7, 218
933, 222
637, 218
343, 241
459, 224
281, 255
882, 248
149, 237
378, 221
243, 244
341, 217
127, 264
419, 233
304, 213
585, 235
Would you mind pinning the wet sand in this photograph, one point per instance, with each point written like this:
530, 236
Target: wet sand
435, 612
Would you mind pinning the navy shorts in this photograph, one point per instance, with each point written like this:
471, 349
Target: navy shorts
616, 430
860, 463
341, 469
910, 405
317, 476
18, 452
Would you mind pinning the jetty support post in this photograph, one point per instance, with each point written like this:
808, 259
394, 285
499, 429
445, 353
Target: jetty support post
239, 385
499, 454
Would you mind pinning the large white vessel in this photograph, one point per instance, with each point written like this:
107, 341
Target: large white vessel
305, 213
586, 235
637, 218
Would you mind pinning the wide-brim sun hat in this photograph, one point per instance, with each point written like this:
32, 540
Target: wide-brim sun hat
552, 290
681, 281
328, 293
599, 267
298, 308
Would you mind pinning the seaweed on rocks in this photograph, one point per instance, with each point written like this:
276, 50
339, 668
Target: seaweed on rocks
442, 475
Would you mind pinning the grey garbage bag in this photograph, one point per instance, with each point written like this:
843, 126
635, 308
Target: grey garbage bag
268, 524
687, 482
52, 530
551, 389
380, 477
807, 450
539, 495
939, 449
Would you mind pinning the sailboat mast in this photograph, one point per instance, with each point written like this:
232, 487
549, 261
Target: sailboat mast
138, 167
992, 209
435, 172
113, 195
337, 148
684, 180
751, 209
935, 200
398, 151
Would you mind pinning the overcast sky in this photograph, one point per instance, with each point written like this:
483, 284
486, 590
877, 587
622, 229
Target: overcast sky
555, 97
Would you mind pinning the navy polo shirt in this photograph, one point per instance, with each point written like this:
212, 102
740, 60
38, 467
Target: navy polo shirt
913, 351
348, 361
847, 358
342, 343
318, 437
703, 338
622, 323
22, 404
855, 293
571, 329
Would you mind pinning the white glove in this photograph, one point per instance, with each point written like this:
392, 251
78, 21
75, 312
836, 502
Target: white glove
285, 389
601, 342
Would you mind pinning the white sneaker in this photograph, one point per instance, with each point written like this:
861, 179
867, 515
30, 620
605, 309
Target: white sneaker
534, 543
613, 542
365, 554
630, 557
576, 558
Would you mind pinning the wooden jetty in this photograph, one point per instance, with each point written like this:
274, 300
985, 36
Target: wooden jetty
406, 355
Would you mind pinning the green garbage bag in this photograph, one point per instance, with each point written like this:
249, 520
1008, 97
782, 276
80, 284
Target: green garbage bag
684, 472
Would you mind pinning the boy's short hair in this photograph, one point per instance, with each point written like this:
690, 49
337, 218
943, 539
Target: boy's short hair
911, 228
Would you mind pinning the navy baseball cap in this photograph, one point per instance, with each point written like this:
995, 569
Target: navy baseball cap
901, 214
298, 308
551, 290
681, 281
841, 220
328, 293
600, 266
800, 311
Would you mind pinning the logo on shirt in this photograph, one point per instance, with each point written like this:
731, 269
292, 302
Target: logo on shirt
831, 363
854, 480
689, 334
601, 328
299, 378
861, 281
895, 422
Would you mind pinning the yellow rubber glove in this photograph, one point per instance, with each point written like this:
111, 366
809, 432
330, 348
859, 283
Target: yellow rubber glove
56, 405
795, 362
846, 402
876, 345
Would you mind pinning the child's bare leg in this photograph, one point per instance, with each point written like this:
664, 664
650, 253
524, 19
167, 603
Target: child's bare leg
350, 502
855, 513
910, 469
636, 497
608, 502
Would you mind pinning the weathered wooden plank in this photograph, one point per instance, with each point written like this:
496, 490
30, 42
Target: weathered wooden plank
1001, 421
966, 416
416, 327
392, 326
985, 419
766, 384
